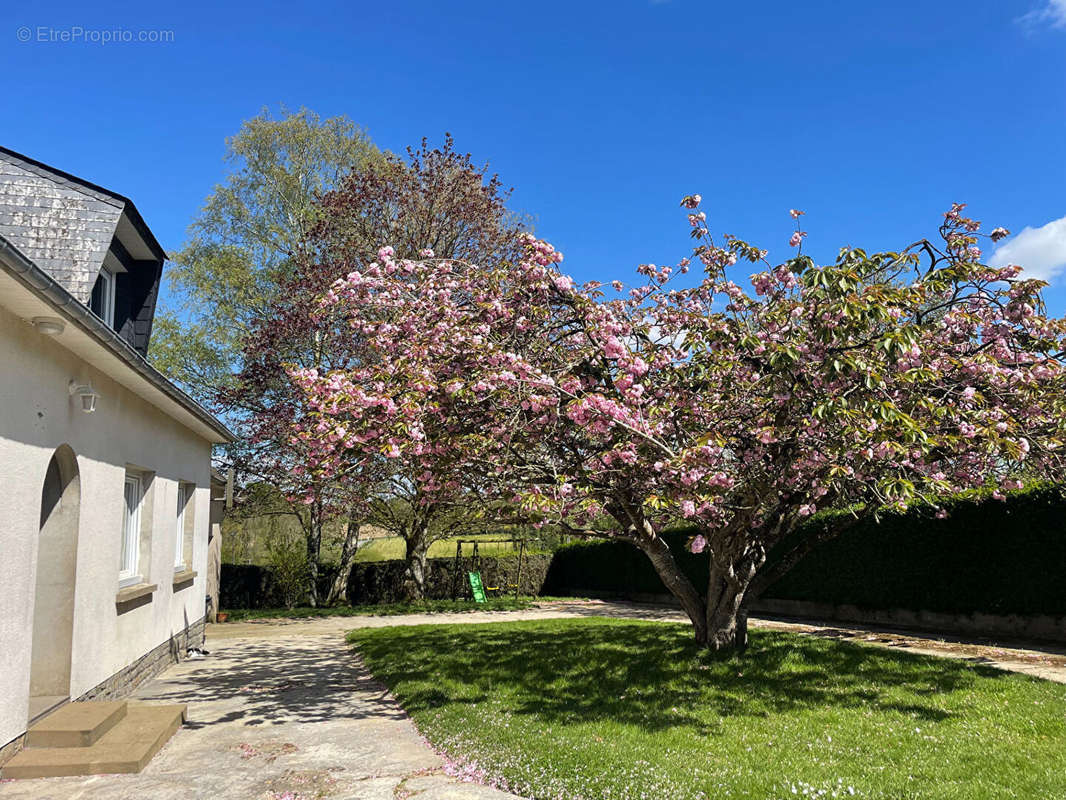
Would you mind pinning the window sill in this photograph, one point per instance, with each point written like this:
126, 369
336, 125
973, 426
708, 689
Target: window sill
183, 576
135, 592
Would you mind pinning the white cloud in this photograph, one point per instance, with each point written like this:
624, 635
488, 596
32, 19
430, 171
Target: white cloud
1052, 13
1040, 251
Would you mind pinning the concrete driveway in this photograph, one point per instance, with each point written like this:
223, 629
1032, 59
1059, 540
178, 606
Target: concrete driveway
283, 717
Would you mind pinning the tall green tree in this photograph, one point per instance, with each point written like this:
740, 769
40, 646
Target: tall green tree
241, 245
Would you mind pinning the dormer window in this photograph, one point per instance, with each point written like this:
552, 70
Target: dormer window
102, 300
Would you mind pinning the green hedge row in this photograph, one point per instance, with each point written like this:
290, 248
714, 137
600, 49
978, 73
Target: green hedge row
988, 556
382, 581
253, 586
615, 567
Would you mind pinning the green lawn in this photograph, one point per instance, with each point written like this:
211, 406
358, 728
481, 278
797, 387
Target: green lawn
384, 609
617, 709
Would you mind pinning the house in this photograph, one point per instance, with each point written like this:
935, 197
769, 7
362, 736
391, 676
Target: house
105, 464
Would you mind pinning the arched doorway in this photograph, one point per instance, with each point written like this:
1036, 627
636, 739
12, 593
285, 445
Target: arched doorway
53, 608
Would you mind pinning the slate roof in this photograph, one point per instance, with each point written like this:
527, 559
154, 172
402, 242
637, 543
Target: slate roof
62, 223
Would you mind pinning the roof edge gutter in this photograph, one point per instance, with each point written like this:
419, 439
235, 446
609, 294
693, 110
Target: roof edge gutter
47, 289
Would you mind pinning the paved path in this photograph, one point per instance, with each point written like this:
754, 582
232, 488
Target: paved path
283, 710
291, 717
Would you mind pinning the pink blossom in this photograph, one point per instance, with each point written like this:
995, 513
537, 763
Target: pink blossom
766, 436
564, 283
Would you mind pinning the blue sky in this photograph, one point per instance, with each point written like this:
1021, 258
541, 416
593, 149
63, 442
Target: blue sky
872, 117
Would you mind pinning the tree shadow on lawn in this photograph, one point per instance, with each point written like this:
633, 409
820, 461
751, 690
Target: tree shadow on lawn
653, 675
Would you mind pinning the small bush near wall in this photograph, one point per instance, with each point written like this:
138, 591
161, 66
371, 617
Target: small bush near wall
988, 556
252, 586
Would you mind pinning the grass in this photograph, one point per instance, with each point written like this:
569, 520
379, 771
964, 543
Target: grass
383, 610
618, 709
392, 548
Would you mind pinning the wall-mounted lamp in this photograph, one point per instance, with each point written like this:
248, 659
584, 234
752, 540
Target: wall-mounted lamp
85, 393
49, 326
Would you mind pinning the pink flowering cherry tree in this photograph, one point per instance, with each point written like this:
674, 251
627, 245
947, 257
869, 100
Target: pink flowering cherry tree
383, 425
876, 381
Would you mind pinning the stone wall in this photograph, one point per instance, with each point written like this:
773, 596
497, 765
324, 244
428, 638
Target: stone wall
12, 747
1028, 627
124, 682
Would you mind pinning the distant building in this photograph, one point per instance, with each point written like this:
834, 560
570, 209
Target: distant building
105, 465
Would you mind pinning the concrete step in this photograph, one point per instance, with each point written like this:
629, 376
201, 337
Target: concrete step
127, 747
76, 724
43, 705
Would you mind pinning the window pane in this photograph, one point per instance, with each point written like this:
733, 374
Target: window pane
131, 523
96, 300
102, 299
179, 546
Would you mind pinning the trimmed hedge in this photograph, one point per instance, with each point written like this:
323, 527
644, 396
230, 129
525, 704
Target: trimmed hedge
617, 567
252, 586
382, 581
988, 556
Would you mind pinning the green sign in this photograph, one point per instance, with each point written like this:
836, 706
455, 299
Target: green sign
476, 586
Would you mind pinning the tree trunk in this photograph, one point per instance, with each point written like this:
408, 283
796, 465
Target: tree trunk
338, 589
313, 532
727, 586
658, 552
727, 624
312, 579
417, 542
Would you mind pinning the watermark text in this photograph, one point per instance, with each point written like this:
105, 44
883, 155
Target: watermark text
77, 34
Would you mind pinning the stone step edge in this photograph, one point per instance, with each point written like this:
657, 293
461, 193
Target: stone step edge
50, 732
101, 758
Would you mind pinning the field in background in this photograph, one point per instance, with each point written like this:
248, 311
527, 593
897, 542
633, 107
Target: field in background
392, 547
248, 540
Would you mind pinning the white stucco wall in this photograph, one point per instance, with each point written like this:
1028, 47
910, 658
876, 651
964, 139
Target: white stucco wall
37, 415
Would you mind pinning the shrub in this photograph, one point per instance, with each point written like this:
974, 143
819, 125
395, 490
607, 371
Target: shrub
287, 559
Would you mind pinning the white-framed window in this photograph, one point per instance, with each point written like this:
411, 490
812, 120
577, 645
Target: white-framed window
102, 299
131, 529
184, 523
